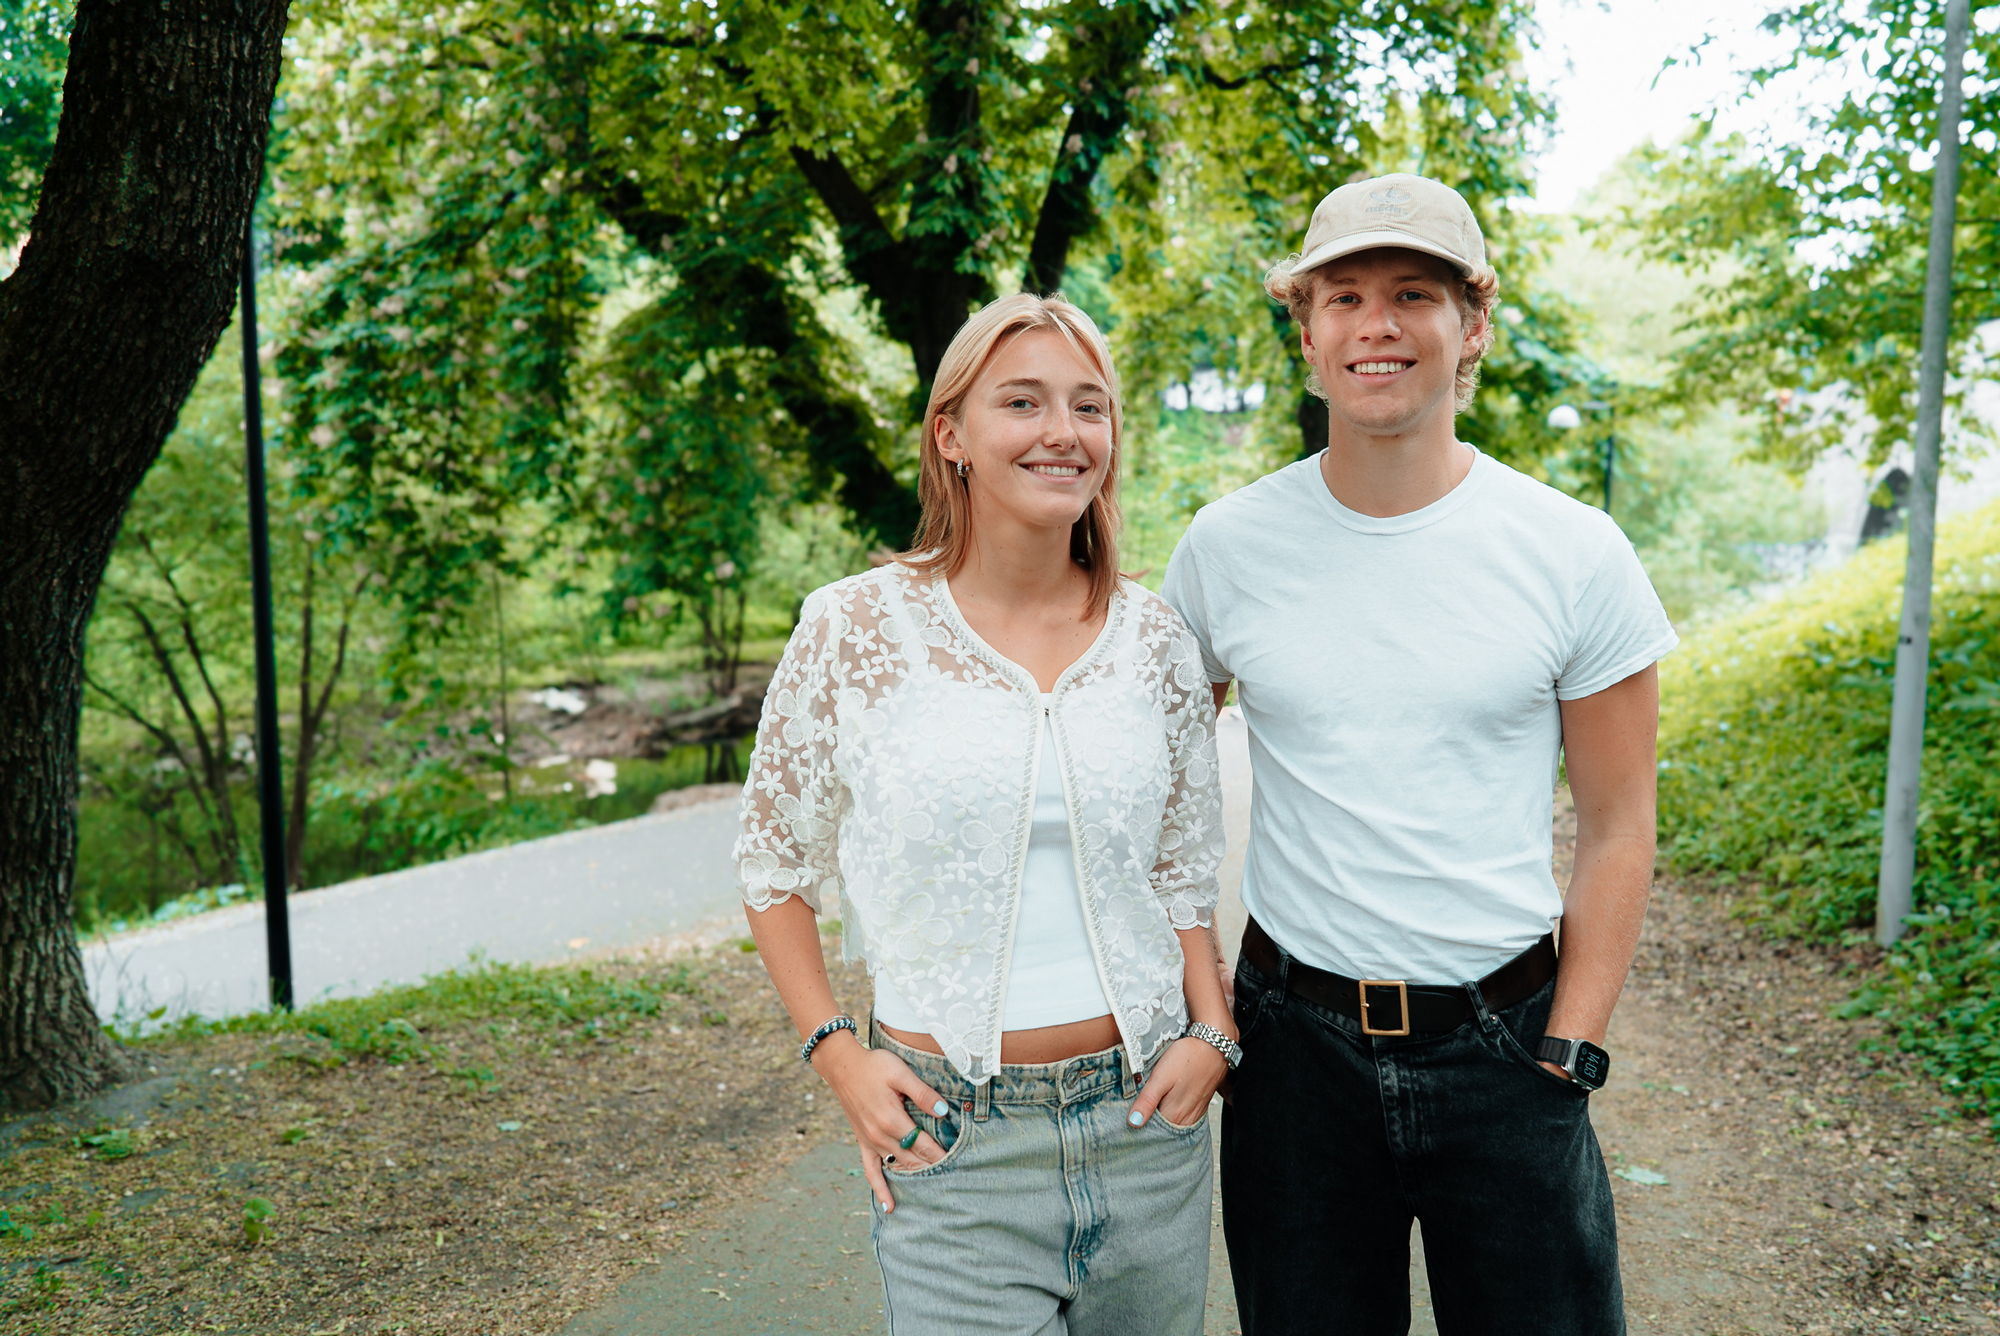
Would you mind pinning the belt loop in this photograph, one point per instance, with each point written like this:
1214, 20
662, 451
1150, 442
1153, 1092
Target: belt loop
1284, 970
982, 1100
1129, 1075
1477, 996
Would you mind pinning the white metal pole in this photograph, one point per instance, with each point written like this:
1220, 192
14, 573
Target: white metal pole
1913, 644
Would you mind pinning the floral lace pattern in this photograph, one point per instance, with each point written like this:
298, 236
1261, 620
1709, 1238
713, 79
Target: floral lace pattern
895, 769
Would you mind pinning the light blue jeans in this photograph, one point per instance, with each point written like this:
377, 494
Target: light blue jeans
1049, 1214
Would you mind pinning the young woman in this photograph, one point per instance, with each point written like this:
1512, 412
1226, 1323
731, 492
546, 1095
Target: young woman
1001, 757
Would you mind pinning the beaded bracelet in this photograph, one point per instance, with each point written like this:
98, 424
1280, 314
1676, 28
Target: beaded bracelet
840, 1022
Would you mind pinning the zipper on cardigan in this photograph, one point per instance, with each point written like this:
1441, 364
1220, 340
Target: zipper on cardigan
1006, 970
1091, 930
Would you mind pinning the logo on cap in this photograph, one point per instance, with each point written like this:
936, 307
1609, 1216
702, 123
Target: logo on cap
1390, 202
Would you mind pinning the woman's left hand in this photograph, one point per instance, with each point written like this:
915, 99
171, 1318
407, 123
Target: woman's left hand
1181, 1084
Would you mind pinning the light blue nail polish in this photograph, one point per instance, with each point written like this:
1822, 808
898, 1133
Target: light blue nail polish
1136, 1118
940, 1108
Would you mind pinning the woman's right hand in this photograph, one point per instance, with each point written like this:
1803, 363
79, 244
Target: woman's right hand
871, 1085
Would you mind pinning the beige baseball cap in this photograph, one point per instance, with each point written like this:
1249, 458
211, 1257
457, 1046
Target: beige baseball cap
1413, 212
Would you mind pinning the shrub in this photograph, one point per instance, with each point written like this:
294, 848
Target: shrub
1774, 743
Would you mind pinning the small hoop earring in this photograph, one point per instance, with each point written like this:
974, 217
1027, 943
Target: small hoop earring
963, 471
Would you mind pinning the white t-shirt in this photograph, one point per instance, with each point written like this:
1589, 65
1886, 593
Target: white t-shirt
1400, 679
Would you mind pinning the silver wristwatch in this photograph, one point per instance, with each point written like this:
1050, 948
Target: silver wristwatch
1232, 1053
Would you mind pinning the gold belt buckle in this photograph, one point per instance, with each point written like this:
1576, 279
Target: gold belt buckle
1402, 1006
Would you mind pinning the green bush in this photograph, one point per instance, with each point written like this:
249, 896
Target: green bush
440, 810
1774, 741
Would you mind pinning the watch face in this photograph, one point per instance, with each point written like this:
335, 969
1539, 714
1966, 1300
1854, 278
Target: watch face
1591, 1067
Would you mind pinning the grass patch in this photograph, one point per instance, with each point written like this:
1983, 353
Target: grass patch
1774, 743
554, 1001
489, 1151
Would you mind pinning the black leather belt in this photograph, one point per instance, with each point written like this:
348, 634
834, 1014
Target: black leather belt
1393, 1007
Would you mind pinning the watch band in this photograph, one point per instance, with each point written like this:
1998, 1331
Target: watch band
1559, 1051
1231, 1052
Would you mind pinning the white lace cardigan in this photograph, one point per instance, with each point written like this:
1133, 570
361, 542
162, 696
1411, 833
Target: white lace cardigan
895, 766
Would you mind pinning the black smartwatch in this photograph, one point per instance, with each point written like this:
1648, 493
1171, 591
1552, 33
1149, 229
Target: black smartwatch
1587, 1064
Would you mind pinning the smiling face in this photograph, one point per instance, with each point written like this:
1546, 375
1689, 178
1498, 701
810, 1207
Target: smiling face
1385, 336
1035, 432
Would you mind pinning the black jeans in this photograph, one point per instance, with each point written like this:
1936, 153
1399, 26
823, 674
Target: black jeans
1335, 1141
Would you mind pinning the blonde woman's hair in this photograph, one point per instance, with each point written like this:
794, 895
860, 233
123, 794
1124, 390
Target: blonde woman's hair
1477, 294
944, 529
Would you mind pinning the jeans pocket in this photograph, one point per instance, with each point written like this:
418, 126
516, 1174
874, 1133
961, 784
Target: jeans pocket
1248, 1012
1517, 1052
1198, 1126
953, 1134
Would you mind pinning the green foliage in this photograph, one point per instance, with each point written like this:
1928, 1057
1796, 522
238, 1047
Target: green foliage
394, 1041
680, 478
34, 48
476, 1078
169, 642
1774, 740
168, 759
582, 277
91, 915
257, 1213
1810, 319
1185, 460
1698, 505
800, 550
440, 811
106, 1143
1700, 513
44, 1284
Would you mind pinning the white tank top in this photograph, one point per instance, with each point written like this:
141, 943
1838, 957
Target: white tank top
1051, 976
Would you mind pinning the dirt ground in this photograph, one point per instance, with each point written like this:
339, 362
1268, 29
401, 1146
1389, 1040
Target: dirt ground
494, 1188
1817, 1181
1773, 1175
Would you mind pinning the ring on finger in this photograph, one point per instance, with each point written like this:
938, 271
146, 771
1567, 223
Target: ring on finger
910, 1137
888, 1159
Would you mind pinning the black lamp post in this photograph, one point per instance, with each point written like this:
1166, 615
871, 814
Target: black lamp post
270, 780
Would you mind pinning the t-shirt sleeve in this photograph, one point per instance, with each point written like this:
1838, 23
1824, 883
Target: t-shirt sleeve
1620, 624
1183, 590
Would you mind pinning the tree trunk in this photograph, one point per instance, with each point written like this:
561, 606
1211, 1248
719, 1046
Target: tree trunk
1312, 424
126, 283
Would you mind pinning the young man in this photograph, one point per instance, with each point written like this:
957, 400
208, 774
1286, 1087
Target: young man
1417, 633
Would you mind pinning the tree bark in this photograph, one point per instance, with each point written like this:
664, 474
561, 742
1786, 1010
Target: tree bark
1312, 424
126, 283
